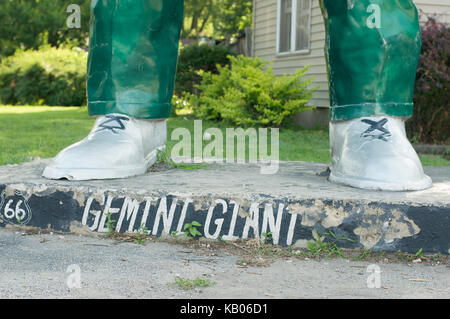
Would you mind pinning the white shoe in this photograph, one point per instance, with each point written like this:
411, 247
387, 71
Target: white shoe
117, 147
374, 153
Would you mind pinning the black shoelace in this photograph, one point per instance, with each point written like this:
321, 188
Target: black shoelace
376, 126
113, 123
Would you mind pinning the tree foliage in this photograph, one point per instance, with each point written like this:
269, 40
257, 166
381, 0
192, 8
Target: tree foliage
48, 76
431, 120
196, 57
217, 18
29, 24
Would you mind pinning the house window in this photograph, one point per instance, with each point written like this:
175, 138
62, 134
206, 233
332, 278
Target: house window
294, 26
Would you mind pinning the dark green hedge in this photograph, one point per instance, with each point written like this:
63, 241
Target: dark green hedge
50, 76
196, 57
431, 120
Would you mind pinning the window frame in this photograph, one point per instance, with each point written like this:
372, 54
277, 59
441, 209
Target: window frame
293, 29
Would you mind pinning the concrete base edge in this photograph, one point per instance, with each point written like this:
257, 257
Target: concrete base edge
374, 225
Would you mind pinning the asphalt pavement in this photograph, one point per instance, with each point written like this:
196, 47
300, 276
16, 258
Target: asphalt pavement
54, 266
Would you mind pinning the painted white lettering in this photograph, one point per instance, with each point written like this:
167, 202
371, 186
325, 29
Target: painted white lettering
87, 208
270, 223
218, 222
108, 210
129, 210
230, 235
166, 215
183, 216
290, 235
252, 221
148, 204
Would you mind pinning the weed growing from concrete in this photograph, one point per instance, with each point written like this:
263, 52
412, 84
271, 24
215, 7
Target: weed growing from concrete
110, 225
167, 160
365, 255
267, 237
328, 248
188, 284
192, 230
419, 254
141, 235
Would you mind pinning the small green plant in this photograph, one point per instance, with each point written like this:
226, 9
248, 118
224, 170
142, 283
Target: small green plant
141, 235
192, 230
267, 237
419, 254
110, 224
163, 157
19, 221
327, 248
188, 284
437, 257
174, 234
364, 255
400, 254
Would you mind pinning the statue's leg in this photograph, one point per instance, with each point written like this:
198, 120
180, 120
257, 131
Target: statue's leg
131, 73
372, 51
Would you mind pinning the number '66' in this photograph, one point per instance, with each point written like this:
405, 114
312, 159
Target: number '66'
17, 213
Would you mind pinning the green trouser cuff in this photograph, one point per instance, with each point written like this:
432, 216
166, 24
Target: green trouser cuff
133, 57
372, 50
136, 110
352, 111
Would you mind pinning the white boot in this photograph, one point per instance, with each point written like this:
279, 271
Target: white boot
117, 147
374, 153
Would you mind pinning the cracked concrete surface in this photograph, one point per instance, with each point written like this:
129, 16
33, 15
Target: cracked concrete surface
36, 267
293, 179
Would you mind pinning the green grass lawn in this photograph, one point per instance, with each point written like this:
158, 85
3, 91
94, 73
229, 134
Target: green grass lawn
29, 132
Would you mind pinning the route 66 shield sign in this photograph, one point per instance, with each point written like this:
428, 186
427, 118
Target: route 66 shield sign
14, 209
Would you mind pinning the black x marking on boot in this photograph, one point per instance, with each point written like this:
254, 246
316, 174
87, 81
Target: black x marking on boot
115, 119
376, 126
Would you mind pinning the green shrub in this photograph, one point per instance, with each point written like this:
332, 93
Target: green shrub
196, 57
248, 94
48, 76
29, 24
431, 120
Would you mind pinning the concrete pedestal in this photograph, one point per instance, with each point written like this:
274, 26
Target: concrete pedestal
235, 201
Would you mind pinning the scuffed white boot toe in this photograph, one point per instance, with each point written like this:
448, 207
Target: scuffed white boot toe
374, 153
117, 147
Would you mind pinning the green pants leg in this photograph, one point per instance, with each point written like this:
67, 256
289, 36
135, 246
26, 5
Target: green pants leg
372, 50
133, 56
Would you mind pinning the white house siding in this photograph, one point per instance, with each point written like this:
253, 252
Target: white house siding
438, 8
264, 46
